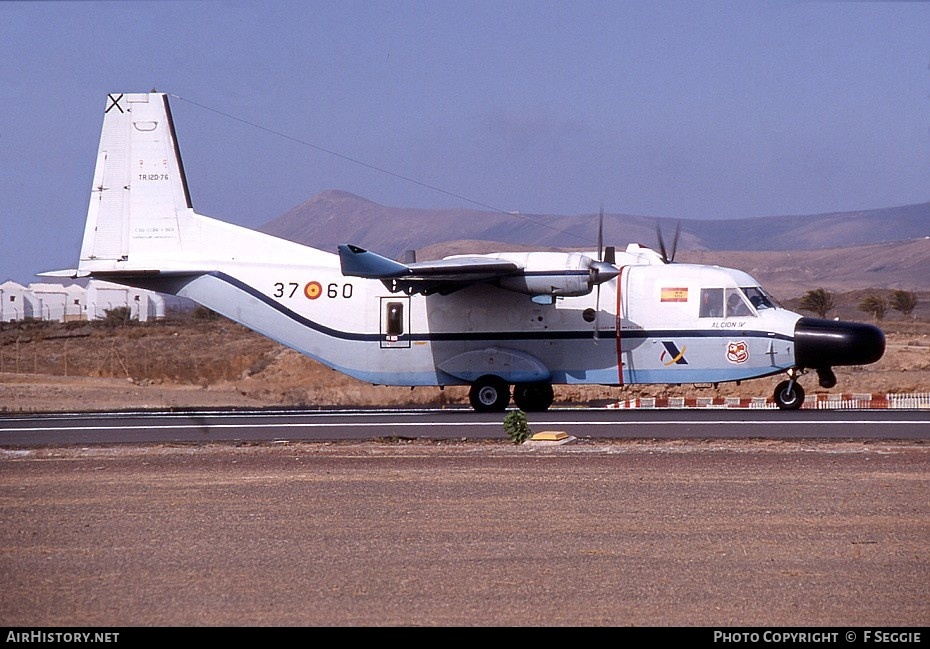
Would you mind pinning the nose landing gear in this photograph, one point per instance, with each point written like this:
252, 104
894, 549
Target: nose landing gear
789, 395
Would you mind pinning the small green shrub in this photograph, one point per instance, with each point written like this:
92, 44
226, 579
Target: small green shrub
203, 313
818, 300
117, 317
874, 304
516, 427
903, 301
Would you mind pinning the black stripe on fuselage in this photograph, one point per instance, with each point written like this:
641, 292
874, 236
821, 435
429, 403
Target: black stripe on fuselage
496, 335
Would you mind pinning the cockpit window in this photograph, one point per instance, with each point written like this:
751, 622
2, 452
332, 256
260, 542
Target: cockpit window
758, 298
736, 301
736, 304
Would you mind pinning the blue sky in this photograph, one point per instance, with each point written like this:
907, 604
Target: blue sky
678, 109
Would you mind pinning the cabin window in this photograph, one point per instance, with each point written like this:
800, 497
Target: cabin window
711, 303
394, 318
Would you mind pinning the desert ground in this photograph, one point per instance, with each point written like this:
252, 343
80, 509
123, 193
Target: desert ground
627, 534
186, 362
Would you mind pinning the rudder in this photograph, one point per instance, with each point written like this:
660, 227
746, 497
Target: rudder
139, 196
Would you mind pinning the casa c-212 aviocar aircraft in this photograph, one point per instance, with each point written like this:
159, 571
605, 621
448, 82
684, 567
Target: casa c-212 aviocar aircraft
506, 324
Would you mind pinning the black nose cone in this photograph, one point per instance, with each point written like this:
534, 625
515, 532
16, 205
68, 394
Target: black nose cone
825, 343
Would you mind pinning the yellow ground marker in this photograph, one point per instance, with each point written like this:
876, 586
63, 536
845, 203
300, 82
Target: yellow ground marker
549, 436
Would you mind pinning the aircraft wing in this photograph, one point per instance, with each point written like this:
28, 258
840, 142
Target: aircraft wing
541, 275
441, 276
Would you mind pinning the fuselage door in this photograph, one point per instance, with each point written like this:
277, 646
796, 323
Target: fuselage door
395, 322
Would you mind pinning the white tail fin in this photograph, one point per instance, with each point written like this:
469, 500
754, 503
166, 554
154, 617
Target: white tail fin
139, 197
140, 217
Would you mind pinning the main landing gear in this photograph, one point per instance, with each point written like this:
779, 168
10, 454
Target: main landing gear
491, 393
533, 397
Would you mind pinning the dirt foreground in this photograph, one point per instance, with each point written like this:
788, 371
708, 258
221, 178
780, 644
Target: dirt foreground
786, 534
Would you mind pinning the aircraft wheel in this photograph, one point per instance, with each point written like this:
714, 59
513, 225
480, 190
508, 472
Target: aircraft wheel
788, 396
533, 397
489, 394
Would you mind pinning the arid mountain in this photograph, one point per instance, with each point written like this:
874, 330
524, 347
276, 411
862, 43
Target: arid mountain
881, 248
900, 265
334, 217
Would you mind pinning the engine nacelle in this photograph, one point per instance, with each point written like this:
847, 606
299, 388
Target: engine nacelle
556, 273
567, 285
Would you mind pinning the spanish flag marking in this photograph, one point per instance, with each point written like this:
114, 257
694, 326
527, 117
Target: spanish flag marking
674, 295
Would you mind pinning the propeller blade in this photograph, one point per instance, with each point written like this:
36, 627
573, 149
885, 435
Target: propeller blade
602, 270
671, 258
668, 257
610, 255
662, 250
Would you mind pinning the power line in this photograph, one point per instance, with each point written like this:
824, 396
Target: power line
372, 167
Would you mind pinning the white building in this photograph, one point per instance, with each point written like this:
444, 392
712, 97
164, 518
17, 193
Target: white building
105, 296
59, 303
17, 303
73, 302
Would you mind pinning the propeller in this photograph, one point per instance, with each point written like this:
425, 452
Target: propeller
601, 271
667, 257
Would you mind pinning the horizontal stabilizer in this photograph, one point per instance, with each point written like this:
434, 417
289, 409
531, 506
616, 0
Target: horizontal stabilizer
358, 262
72, 273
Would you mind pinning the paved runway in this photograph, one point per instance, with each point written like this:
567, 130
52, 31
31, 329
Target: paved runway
456, 424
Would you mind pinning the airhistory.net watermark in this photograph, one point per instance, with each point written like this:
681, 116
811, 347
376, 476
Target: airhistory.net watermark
62, 636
